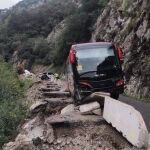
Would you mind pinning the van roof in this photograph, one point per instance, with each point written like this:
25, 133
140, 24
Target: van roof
76, 46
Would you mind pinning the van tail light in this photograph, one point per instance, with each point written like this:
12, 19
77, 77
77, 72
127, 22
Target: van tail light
120, 54
72, 56
119, 82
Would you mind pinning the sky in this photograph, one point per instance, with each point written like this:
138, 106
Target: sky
7, 3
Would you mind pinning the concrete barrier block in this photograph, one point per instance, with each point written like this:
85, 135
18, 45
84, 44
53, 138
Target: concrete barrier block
126, 120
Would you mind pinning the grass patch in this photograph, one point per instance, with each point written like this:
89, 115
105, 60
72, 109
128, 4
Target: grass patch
12, 108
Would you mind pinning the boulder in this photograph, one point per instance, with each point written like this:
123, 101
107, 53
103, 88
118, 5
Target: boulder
88, 108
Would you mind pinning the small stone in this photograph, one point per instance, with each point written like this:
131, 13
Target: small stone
68, 141
63, 144
58, 147
59, 141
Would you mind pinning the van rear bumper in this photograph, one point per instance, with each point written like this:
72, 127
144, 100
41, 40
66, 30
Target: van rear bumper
114, 90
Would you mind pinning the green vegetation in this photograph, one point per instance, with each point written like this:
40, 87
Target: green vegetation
78, 29
25, 30
12, 109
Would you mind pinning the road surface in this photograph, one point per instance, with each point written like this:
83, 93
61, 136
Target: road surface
142, 107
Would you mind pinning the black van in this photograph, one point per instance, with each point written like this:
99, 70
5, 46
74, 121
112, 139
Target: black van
94, 67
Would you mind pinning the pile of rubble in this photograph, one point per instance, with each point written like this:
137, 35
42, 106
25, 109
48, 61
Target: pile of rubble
55, 123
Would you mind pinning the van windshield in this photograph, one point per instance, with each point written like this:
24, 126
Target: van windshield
96, 59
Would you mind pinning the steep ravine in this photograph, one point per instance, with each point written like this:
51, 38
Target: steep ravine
128, 25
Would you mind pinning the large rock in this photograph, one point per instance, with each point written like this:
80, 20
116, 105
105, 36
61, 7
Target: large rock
87, 108
68, 109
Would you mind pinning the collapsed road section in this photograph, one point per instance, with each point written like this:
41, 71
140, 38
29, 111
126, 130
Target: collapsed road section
55, 123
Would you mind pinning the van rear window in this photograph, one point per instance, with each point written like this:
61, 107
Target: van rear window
96, 58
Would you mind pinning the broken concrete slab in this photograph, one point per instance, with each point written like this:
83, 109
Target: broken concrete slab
74, 118
97, 112
39, 106
32, 133
54, 102
36, 128
128, 120
87, 108
56, 94
68, 109
49, 89
55, 105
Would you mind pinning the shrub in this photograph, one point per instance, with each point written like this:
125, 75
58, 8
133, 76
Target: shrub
12, 109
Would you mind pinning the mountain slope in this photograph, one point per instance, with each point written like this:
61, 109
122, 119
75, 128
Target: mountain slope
23, 33
24, 30
128, 24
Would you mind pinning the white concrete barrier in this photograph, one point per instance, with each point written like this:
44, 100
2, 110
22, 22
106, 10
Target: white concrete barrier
126, 120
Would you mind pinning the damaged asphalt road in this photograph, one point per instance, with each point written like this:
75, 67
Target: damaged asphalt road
56, 124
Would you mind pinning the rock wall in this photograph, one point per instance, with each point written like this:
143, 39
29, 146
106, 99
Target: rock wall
127, 23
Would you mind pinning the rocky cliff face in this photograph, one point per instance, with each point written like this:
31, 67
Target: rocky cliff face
128, 24
27, 5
